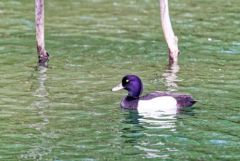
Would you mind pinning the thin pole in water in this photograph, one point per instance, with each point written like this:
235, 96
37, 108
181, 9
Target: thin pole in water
169, 35
43, 55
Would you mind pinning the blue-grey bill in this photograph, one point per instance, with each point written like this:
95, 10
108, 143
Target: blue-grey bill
117, 88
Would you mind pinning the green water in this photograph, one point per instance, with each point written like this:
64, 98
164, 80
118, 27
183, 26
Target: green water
67, 112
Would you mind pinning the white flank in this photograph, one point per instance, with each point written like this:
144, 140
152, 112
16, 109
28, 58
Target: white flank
164, 105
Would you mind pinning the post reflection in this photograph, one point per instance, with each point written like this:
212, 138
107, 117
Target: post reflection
42, 146
170, 77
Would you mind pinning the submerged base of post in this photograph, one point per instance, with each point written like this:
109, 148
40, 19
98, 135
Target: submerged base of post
43, 60
43, 57
173, 56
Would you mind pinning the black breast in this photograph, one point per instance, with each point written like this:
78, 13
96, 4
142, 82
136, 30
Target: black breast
129, 103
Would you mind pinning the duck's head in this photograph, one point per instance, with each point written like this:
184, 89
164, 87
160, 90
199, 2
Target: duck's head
132, 84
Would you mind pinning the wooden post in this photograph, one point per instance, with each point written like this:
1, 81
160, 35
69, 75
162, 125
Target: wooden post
169, 35
39, 23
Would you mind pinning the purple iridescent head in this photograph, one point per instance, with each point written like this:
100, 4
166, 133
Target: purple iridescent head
132, 84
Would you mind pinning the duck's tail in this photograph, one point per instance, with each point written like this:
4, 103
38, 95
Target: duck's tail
185, 101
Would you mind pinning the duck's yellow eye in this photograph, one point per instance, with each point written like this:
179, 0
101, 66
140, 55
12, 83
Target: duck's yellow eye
127, 81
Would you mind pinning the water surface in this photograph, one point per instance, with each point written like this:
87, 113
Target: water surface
67, 112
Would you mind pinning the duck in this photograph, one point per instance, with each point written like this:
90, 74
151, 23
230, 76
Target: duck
155, 101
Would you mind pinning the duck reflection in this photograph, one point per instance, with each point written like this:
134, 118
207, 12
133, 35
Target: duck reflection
146, 134
132, 130
146, 120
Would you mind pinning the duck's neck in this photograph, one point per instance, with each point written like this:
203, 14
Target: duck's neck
135, 92
130, 97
